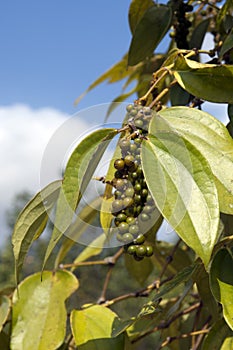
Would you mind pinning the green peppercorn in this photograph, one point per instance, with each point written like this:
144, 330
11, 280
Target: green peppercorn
134, 229
117, 205
133, 148
137, 187
144, 192
124, 144
137, 198
127, 202
129, 160
148, 209
121, 217
129, 192
119, 164
131, 249
123, 227
141, 251
149, 250
119, 184
140, 239
130, 220
138, 123
129, 108
127, 238
144, 217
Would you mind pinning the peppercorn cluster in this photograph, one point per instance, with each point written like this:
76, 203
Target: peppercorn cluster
133, 205
182, 25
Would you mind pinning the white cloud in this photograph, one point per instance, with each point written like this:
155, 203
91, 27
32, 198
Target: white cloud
24, 135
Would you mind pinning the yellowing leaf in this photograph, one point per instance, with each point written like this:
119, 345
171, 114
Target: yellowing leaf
182, 185
205, 81
92, 328
212, 139
4, 309
39, 314
32, 221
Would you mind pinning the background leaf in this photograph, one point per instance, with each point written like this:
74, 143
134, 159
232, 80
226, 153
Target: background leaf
4, 309
136, 11
84, 219
198, 34
221, 282
216, 336
184, 190
205, 81
92, 329
205, 132
32, 221
39, 314
153, 26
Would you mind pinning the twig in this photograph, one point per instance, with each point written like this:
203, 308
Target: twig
114, 259
166, 324
110, 260
168, 261
183, 336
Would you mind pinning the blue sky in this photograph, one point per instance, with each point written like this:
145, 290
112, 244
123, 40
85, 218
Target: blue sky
52, 50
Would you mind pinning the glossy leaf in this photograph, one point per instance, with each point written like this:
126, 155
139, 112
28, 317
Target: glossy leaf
198, 34
92, 329
32, 221
205, 81
153, 26
94, 248
39, 314
78, 173
4, 309
221, 282
216, 336
184, 190
227, 44
205, 132
106, 216
76, 230
140, 270
136, 11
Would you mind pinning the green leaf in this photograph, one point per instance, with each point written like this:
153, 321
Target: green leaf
221, 282
117, 72
78, 173
136, 11
223, 12
227, 44
205, 132
140, 270
178, 96
184, 190
4, 309
4, 341
198, 34
153, 26
216, 336
84, 219
94, 248
181, 277
39, 314
92, 329
106, 214
203, 286
32, 221
205, 81
228, 344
